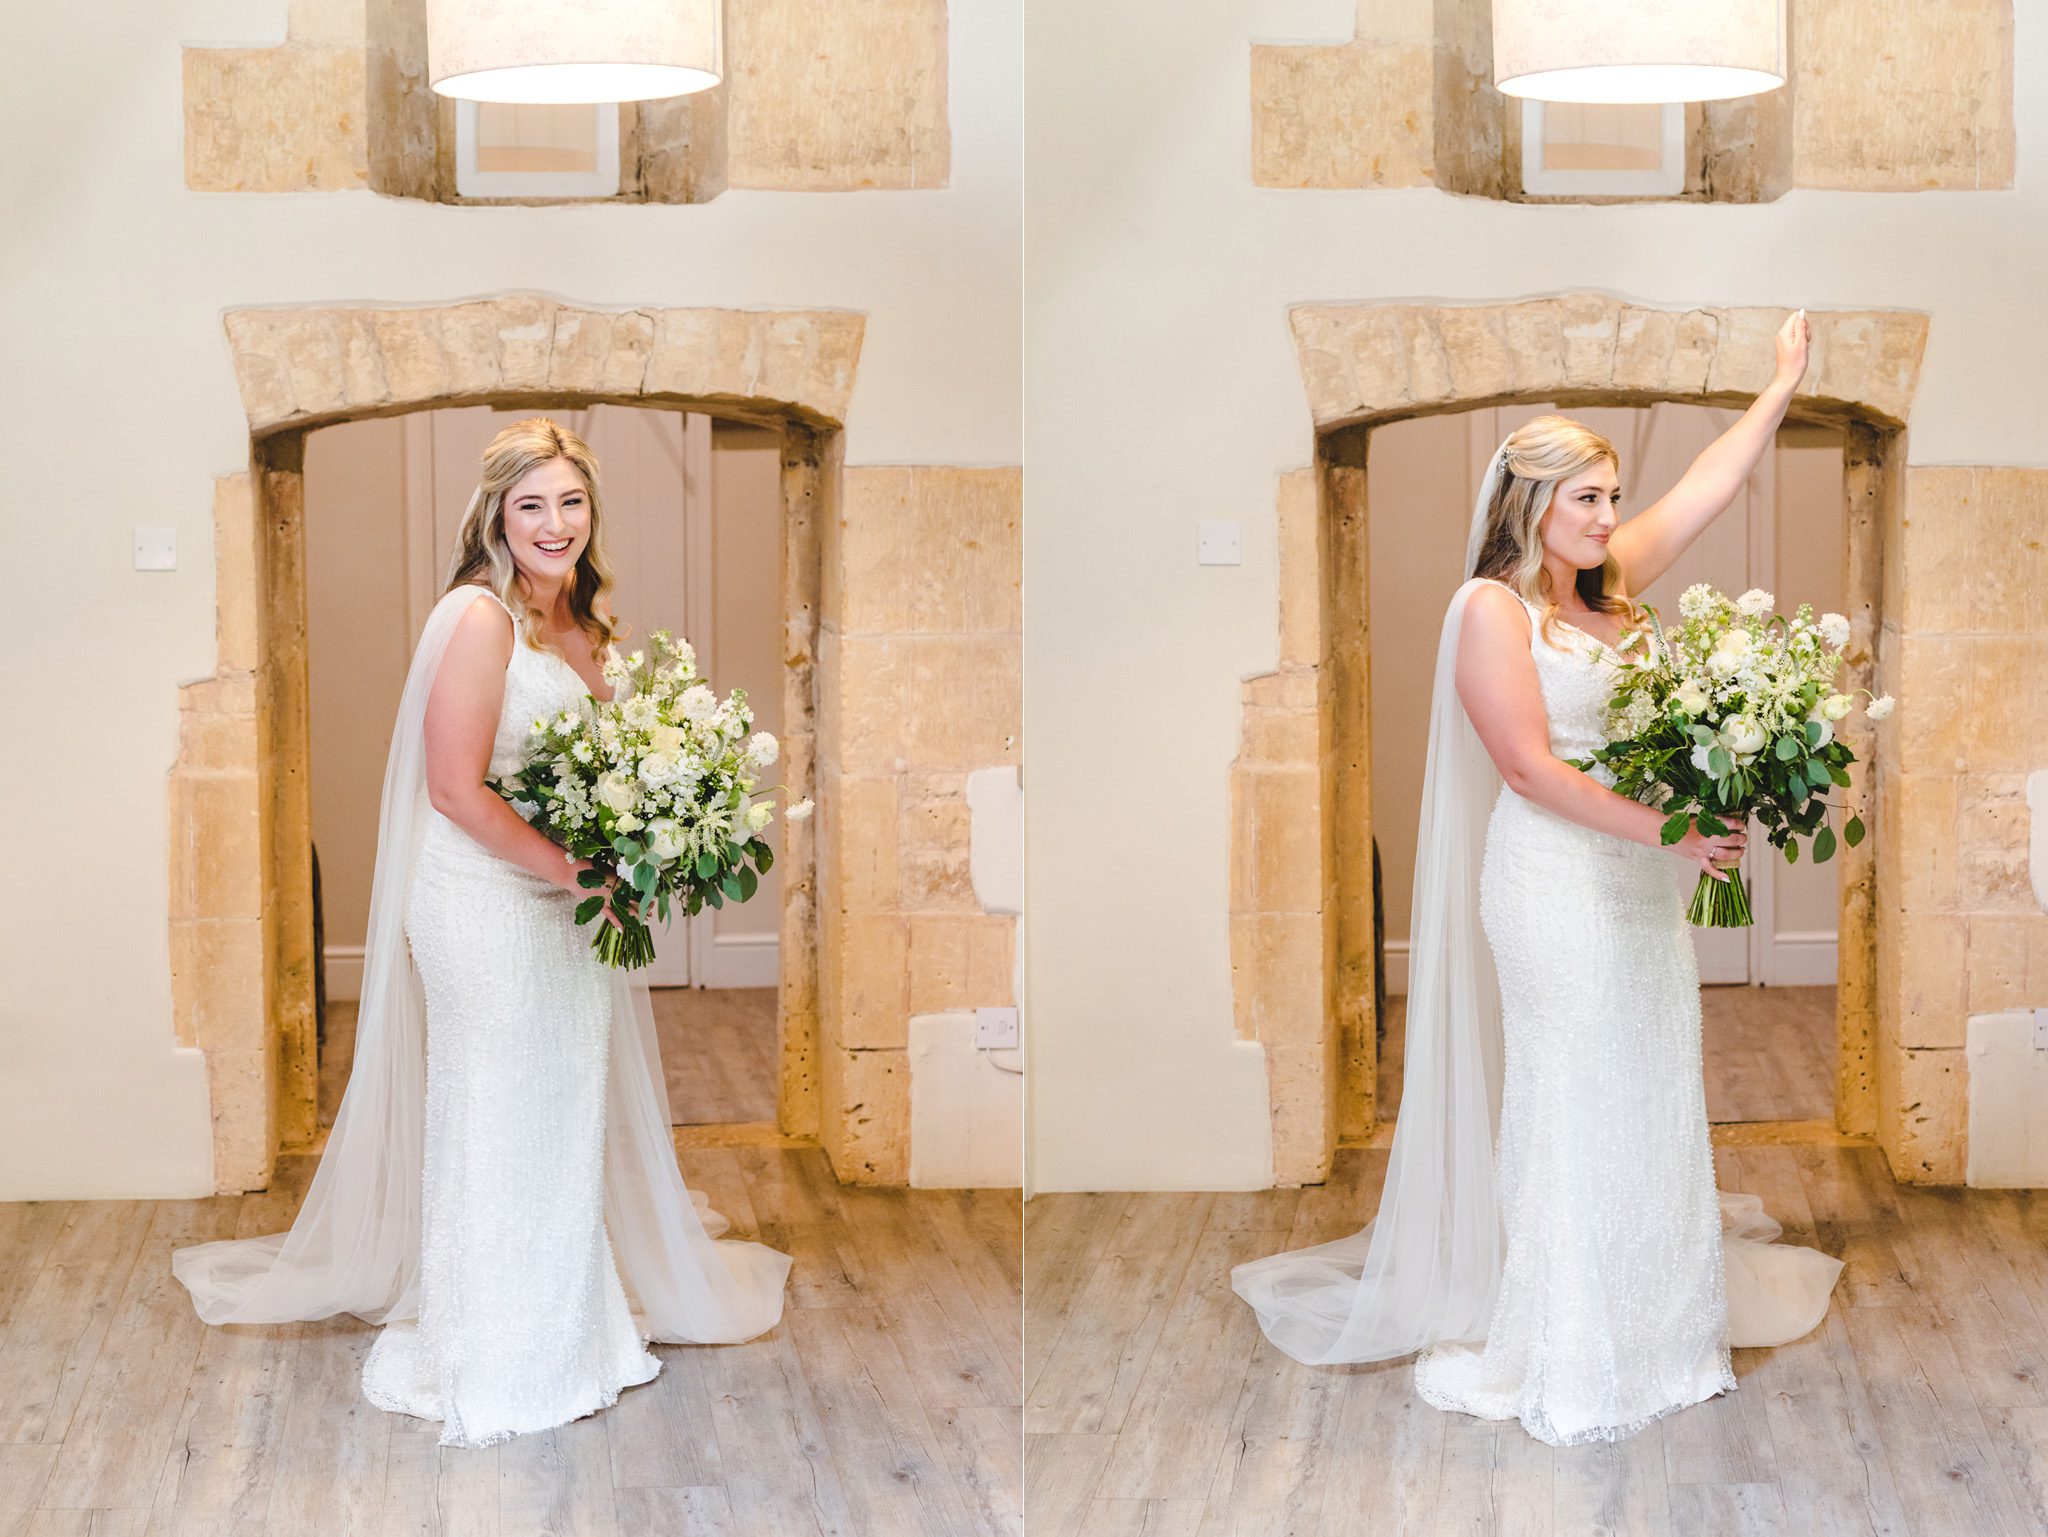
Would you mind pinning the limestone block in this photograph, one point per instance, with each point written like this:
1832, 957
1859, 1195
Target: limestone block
1291, 688
2007, 580
1935, 547
242, 1089
934, 834
1925, 1133
1284, 840
1868, 356
1668, 351
1745, 351
229, 694
216, 864
1277, 961
1281, 739
967, 571
286, 119
1931, 981
1301, 587
837, 96
1297, 1092
2008, 962
1991, 854
1934, 716
238, 588
211, 741
960, 961
414, 344
1924, 840
873, 964
601, 352
1899, 95
861, 819
2003, 712
1475, 340
1356, 114
861, 708
865, 1126
963, 700
217, 983
525, 328
876, 526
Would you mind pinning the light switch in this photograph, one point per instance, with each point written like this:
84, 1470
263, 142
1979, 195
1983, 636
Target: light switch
995, 1029
1216, 543
156, 549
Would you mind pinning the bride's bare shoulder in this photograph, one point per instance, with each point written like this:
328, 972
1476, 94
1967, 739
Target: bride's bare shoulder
484, 632
1493, 609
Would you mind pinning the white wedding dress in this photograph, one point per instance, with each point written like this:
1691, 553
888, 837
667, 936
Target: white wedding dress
1549, 1243
477, 1219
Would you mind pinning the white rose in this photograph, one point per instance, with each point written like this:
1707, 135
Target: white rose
617, 792
799, 811
1691, 697
1834, 629
665, 838
698, 703
666, 739
763, 748
1754, 603
758, 816
1827, 731
1730, 652
627, 823
1879, 707
657, 769
1742, 735
1835, 706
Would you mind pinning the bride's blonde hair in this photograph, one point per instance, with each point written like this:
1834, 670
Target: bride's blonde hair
482, 556
1538, 457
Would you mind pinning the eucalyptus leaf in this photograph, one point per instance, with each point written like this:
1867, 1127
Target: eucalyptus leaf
1852, 831
1823, 845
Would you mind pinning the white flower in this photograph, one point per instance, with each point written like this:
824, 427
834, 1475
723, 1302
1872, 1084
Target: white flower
641, 712
660, 768
759, 816
1879, 707
1835, 706
1742, 735
627, 823
1691, 697
1834, 629
664, 738
763, 748
1730, 652
698, 703
1696, 600
1699, 758
799, 811
1827, 730
617, 792
580, 752
1754, 603
665, 838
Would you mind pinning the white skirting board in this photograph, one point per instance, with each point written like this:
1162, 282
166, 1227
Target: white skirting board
737, 960
1798, 960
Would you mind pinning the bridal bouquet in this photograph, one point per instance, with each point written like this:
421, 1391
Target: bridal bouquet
656, 784
1732, 715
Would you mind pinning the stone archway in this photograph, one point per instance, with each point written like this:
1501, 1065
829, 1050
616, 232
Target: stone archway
240, 879
1302, 952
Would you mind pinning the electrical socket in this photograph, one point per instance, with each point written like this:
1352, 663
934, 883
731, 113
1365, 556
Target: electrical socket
995, 1029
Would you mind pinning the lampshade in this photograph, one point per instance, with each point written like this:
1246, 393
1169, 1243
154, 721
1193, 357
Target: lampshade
1637, 50
572, 50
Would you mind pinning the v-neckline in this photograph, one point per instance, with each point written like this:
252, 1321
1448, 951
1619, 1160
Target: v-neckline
570, 667
1612, 651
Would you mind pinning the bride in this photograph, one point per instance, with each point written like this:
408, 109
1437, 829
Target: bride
1549, 1237
500, 1188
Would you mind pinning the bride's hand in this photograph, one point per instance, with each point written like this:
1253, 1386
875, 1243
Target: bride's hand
1714, 854
1792, 341
611, 885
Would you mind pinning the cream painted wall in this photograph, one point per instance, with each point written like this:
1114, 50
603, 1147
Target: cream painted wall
113, 280
1161, 390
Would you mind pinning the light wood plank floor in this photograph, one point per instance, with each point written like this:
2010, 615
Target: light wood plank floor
717, 1051
1770, 1054
1918, 1409
886, 1402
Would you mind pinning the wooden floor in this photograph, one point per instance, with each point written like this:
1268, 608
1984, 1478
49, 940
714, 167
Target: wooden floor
1770, 1054
717, 1052
1918, 1409
886, 1401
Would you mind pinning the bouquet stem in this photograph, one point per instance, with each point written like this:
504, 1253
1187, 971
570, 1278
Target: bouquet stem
1720, 904
630, 947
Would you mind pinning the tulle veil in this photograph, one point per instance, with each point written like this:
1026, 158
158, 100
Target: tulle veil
354, 1246
1426, 1270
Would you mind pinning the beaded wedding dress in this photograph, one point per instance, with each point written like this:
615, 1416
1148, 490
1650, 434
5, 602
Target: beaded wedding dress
516, 1221
1550, 1237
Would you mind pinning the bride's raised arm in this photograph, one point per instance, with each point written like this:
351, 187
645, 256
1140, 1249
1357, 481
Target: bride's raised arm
1646, 545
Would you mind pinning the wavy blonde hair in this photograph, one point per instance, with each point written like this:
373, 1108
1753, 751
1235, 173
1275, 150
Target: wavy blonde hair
483, 557
1541, 455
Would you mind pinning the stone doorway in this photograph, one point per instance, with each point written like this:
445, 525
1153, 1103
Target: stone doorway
240, 878
1302, 941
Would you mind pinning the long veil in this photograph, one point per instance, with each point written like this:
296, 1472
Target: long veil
1427, 1269
354, 1246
